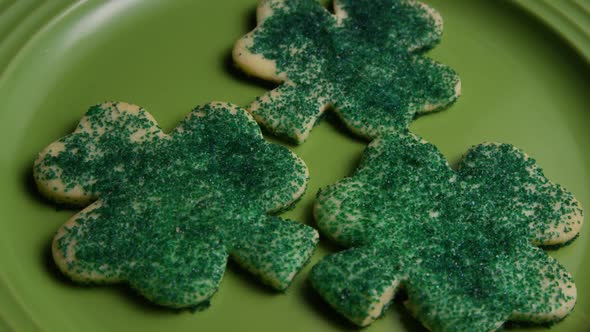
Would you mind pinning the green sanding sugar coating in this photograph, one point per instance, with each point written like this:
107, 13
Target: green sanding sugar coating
366, 62
173, 207
460, 242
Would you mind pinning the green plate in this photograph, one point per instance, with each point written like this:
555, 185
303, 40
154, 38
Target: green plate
523, 83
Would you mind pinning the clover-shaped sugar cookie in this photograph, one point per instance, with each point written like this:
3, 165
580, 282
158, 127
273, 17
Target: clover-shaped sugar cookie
461, 243
365, 62
168, 210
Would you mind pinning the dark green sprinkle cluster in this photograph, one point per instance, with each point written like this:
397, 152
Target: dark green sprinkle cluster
172, 207
366, 62
460, 242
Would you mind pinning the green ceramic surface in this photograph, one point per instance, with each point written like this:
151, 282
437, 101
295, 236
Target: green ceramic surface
523, 83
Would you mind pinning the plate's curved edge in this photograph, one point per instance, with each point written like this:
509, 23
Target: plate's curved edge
14, 316
569, 18
22, 20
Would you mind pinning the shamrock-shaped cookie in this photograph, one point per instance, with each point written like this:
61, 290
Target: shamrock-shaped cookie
168, 210
365, 62
461, 243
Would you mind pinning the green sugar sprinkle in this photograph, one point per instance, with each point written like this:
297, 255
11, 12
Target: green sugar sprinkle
369, 66
460, 242
173, 207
